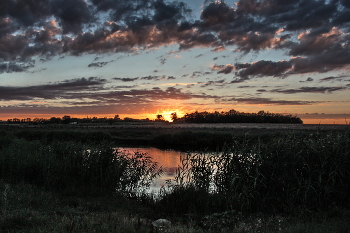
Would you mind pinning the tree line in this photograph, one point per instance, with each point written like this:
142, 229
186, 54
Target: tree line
231, 116
72, 120
234, 116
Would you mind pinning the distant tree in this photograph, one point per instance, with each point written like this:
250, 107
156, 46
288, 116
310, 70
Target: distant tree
174, 116
66, 119
234, 116
55, 120
16, 120
160, 118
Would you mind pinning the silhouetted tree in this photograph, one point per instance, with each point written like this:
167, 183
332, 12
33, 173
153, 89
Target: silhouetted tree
160, 118
66, 119
174, 116
234, 116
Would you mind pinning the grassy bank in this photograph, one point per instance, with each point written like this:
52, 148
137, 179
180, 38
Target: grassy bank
275, 181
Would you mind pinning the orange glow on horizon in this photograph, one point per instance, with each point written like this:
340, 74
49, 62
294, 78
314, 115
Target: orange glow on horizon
166, 113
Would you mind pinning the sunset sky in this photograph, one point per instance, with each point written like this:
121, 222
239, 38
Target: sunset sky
146, 57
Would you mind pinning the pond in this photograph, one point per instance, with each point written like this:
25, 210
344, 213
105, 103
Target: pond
169, 160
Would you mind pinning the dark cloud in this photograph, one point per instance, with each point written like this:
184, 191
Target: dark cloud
144, 96
127, 87
309, 90
268, 101
326, 61
309, 79
227, 69
263, 68
244, 87
9, 67
47, 28
92, 89
216, 83
51, 91
332, 78
316, 43
97, 64
218, 13
25, 12
126, 79
150, 77
239, 80
72, 14
169, 11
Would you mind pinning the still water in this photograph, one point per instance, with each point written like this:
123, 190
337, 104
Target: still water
169, 160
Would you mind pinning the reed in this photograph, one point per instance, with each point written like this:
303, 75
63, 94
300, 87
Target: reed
76, 168
287, 174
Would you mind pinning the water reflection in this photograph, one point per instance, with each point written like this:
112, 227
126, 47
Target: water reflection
169, 160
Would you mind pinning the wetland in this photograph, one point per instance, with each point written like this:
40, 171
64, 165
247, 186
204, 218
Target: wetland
224, 177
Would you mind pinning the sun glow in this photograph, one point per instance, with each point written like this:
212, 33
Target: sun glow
167, 114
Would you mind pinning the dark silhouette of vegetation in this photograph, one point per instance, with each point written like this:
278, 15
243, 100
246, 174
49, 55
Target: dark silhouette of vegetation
234, 116
71, 120
285, 174
231, 116
292, 176
159, 118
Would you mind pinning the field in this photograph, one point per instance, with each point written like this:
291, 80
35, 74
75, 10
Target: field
240, 178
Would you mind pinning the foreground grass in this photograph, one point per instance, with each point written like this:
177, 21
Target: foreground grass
27, 208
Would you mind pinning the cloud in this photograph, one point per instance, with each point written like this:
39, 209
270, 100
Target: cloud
263, 68
52, 91
268, 101
239, 80
332, 78
227, 69
9, 67
216, 83
150, 77
313, 33
93, 90
219, 49
126, 79
97, 64
72, 14
309, 90
218, 13
309, 79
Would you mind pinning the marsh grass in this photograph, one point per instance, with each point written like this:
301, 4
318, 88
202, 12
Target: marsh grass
76, 168
275, 183
286, 175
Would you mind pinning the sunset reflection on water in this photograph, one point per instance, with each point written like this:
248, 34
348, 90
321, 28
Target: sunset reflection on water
169, 160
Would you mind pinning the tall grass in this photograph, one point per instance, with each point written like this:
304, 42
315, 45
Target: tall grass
76, 168
283, 175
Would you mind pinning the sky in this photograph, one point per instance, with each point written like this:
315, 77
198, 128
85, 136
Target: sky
87, 58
